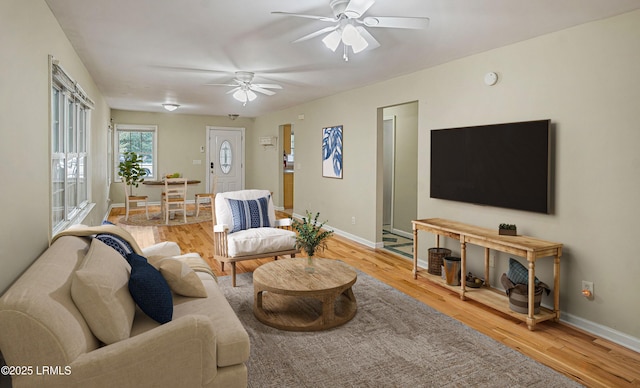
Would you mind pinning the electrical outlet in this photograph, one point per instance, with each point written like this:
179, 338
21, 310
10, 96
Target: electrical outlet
353, 220
492, 261
587, 289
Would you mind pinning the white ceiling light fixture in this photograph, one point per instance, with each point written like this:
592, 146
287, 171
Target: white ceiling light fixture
170, 107
349, 28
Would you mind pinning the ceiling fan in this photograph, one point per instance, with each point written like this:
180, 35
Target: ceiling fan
349, 25
244, 90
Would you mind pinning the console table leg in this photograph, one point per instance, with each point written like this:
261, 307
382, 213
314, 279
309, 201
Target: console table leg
487, 282
556, 286
463, 266
415, 252
532, 292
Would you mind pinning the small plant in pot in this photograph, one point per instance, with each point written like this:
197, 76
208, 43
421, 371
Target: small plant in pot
507, 230
310, 237
130, 170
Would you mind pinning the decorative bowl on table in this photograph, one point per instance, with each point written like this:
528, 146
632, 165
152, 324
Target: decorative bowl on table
473, 281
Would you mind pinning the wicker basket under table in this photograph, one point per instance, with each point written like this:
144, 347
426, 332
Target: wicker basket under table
436, 256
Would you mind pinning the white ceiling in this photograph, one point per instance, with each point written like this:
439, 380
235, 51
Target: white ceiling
142, 53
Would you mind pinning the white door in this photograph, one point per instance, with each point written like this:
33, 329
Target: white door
225, 159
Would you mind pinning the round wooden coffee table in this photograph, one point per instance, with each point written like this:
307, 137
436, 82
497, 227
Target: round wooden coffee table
289, 298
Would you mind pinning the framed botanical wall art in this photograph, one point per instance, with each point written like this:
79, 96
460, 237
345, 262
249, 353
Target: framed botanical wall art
332, 152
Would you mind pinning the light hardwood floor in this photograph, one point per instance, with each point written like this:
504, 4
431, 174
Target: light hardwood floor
588, 359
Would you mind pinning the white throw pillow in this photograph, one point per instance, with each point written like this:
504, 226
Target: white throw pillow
100, 290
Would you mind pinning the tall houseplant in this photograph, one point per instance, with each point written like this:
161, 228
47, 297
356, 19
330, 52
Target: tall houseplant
310, 237
130, 169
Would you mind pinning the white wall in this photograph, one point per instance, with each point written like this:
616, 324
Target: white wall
585, 79
28, 35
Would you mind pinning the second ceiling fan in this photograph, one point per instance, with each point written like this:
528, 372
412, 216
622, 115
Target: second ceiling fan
244, 89
349, 25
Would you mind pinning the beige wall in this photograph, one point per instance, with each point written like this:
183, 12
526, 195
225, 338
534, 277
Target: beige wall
180, 137
585, 79
29, 34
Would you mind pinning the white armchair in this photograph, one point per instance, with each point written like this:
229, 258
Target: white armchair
245, 228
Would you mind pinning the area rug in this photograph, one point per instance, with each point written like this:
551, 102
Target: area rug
393, 341
155, 219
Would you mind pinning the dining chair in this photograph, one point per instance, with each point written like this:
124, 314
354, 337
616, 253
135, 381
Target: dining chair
175, 197
202, 199
129, 199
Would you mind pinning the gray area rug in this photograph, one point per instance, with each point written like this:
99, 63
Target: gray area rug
393, 341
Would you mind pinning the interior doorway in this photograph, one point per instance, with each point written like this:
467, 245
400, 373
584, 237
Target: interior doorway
288, 160
399, 177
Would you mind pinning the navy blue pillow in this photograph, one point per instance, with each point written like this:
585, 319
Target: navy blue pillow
116, 242
251, 213
149, 289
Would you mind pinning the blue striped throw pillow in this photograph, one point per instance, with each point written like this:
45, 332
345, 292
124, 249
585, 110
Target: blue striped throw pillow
251, 213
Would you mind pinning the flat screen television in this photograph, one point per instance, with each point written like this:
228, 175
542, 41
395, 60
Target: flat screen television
503, 165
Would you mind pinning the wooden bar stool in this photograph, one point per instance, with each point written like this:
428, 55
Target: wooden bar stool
202, 197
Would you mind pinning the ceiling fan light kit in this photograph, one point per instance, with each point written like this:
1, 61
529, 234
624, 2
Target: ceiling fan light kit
349, 26
244, 95
244, 89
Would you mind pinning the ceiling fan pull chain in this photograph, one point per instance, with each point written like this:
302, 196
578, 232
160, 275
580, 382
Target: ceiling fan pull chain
345, 54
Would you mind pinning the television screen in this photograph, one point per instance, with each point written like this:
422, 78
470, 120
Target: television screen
504, 165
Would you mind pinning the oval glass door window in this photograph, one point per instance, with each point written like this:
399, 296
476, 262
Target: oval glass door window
226, 157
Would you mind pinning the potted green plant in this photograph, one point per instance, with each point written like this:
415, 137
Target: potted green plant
507, 230
310, 237
130, 169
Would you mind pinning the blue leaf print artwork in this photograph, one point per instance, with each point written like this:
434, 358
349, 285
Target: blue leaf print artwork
332, 150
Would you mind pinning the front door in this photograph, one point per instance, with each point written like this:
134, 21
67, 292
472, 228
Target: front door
225, 159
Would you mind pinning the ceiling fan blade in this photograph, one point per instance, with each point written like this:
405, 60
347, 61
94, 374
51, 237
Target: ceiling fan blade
233, 90
396, 22
317, 33
298, 15
373, 43
256, 88
268, 86
357, 8
220, 85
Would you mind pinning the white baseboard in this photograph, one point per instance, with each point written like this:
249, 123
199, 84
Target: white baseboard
601, 331
346, 235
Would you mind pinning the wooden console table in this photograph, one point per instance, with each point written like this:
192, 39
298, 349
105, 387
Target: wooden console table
523, 246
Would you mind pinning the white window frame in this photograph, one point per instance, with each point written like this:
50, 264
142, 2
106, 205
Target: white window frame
70, 179
117, 151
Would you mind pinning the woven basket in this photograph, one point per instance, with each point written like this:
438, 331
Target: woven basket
436, 255
519, 302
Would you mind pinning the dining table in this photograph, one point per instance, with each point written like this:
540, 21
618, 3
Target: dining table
160, 183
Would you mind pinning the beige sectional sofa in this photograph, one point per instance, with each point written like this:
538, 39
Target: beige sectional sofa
48, 342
